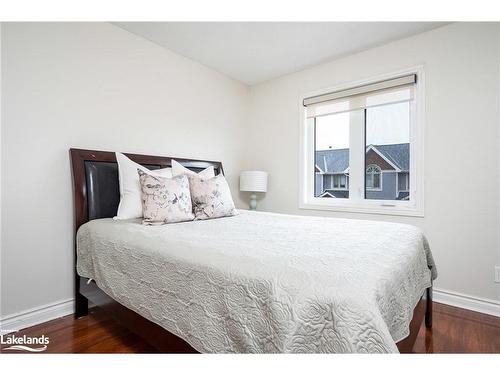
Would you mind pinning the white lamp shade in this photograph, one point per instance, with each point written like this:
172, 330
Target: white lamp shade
254, 181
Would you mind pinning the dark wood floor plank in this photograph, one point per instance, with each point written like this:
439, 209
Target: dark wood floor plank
454, 330
457, 330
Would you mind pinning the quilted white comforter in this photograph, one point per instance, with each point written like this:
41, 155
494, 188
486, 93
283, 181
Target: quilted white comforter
263, 282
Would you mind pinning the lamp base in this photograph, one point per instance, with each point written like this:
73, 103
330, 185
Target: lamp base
253, 202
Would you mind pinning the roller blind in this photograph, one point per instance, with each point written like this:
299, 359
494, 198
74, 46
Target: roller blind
394, 90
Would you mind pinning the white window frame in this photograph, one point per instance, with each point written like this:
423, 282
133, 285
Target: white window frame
358, 204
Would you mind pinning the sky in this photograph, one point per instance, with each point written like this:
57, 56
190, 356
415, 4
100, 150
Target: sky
385, 124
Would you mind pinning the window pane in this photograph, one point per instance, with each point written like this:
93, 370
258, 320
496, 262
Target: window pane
329, 181
388, 148
332, 155
403, 181
342, 181
369, 180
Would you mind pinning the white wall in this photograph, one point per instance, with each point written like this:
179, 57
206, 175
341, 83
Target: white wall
461, 144
92, 86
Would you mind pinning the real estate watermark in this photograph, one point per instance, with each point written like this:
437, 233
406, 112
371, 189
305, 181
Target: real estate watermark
23, 342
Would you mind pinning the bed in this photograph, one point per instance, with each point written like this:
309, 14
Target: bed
255, 282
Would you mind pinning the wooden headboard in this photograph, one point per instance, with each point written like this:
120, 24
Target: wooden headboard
95, 180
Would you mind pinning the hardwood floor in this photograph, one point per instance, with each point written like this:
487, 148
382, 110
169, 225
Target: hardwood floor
457, 330
454, 331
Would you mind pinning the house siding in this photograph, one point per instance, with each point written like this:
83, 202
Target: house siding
318, 185
388, 185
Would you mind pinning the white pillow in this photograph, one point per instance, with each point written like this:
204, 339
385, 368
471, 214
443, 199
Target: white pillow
130, 206
178, 168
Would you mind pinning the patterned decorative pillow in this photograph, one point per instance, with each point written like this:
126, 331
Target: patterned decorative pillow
211, 197
165, 200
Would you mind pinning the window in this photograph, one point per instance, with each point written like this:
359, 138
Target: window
339, 181
373, 180
331, 134
403, 181
362, 145
387, 142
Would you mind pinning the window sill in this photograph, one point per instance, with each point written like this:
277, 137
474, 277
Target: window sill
377, 209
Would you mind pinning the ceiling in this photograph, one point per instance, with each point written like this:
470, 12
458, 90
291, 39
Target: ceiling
253, 52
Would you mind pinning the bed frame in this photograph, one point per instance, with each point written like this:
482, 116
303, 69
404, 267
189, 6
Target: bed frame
96, 195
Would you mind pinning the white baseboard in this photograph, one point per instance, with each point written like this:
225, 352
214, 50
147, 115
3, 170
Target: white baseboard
41, 314
464, 301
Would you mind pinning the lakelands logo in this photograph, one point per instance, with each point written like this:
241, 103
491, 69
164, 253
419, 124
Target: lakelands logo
24, 343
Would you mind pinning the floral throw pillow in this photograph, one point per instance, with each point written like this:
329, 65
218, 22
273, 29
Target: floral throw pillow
211, 197
165, 200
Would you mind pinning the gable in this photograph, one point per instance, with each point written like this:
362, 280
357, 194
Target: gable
374, 158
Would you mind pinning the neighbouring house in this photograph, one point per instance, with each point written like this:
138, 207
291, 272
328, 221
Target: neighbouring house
387, 173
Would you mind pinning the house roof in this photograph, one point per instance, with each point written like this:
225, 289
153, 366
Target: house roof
333, 161
403, 196
398, 154
337, 161
335, 194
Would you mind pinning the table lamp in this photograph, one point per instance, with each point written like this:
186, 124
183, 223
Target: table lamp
254, 182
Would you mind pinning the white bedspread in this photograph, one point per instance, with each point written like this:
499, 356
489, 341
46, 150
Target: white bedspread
263, 282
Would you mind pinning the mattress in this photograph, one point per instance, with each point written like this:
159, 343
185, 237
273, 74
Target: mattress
263, 282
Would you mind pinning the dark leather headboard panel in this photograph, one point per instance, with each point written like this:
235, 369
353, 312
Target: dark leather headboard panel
103, 191
95, 180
